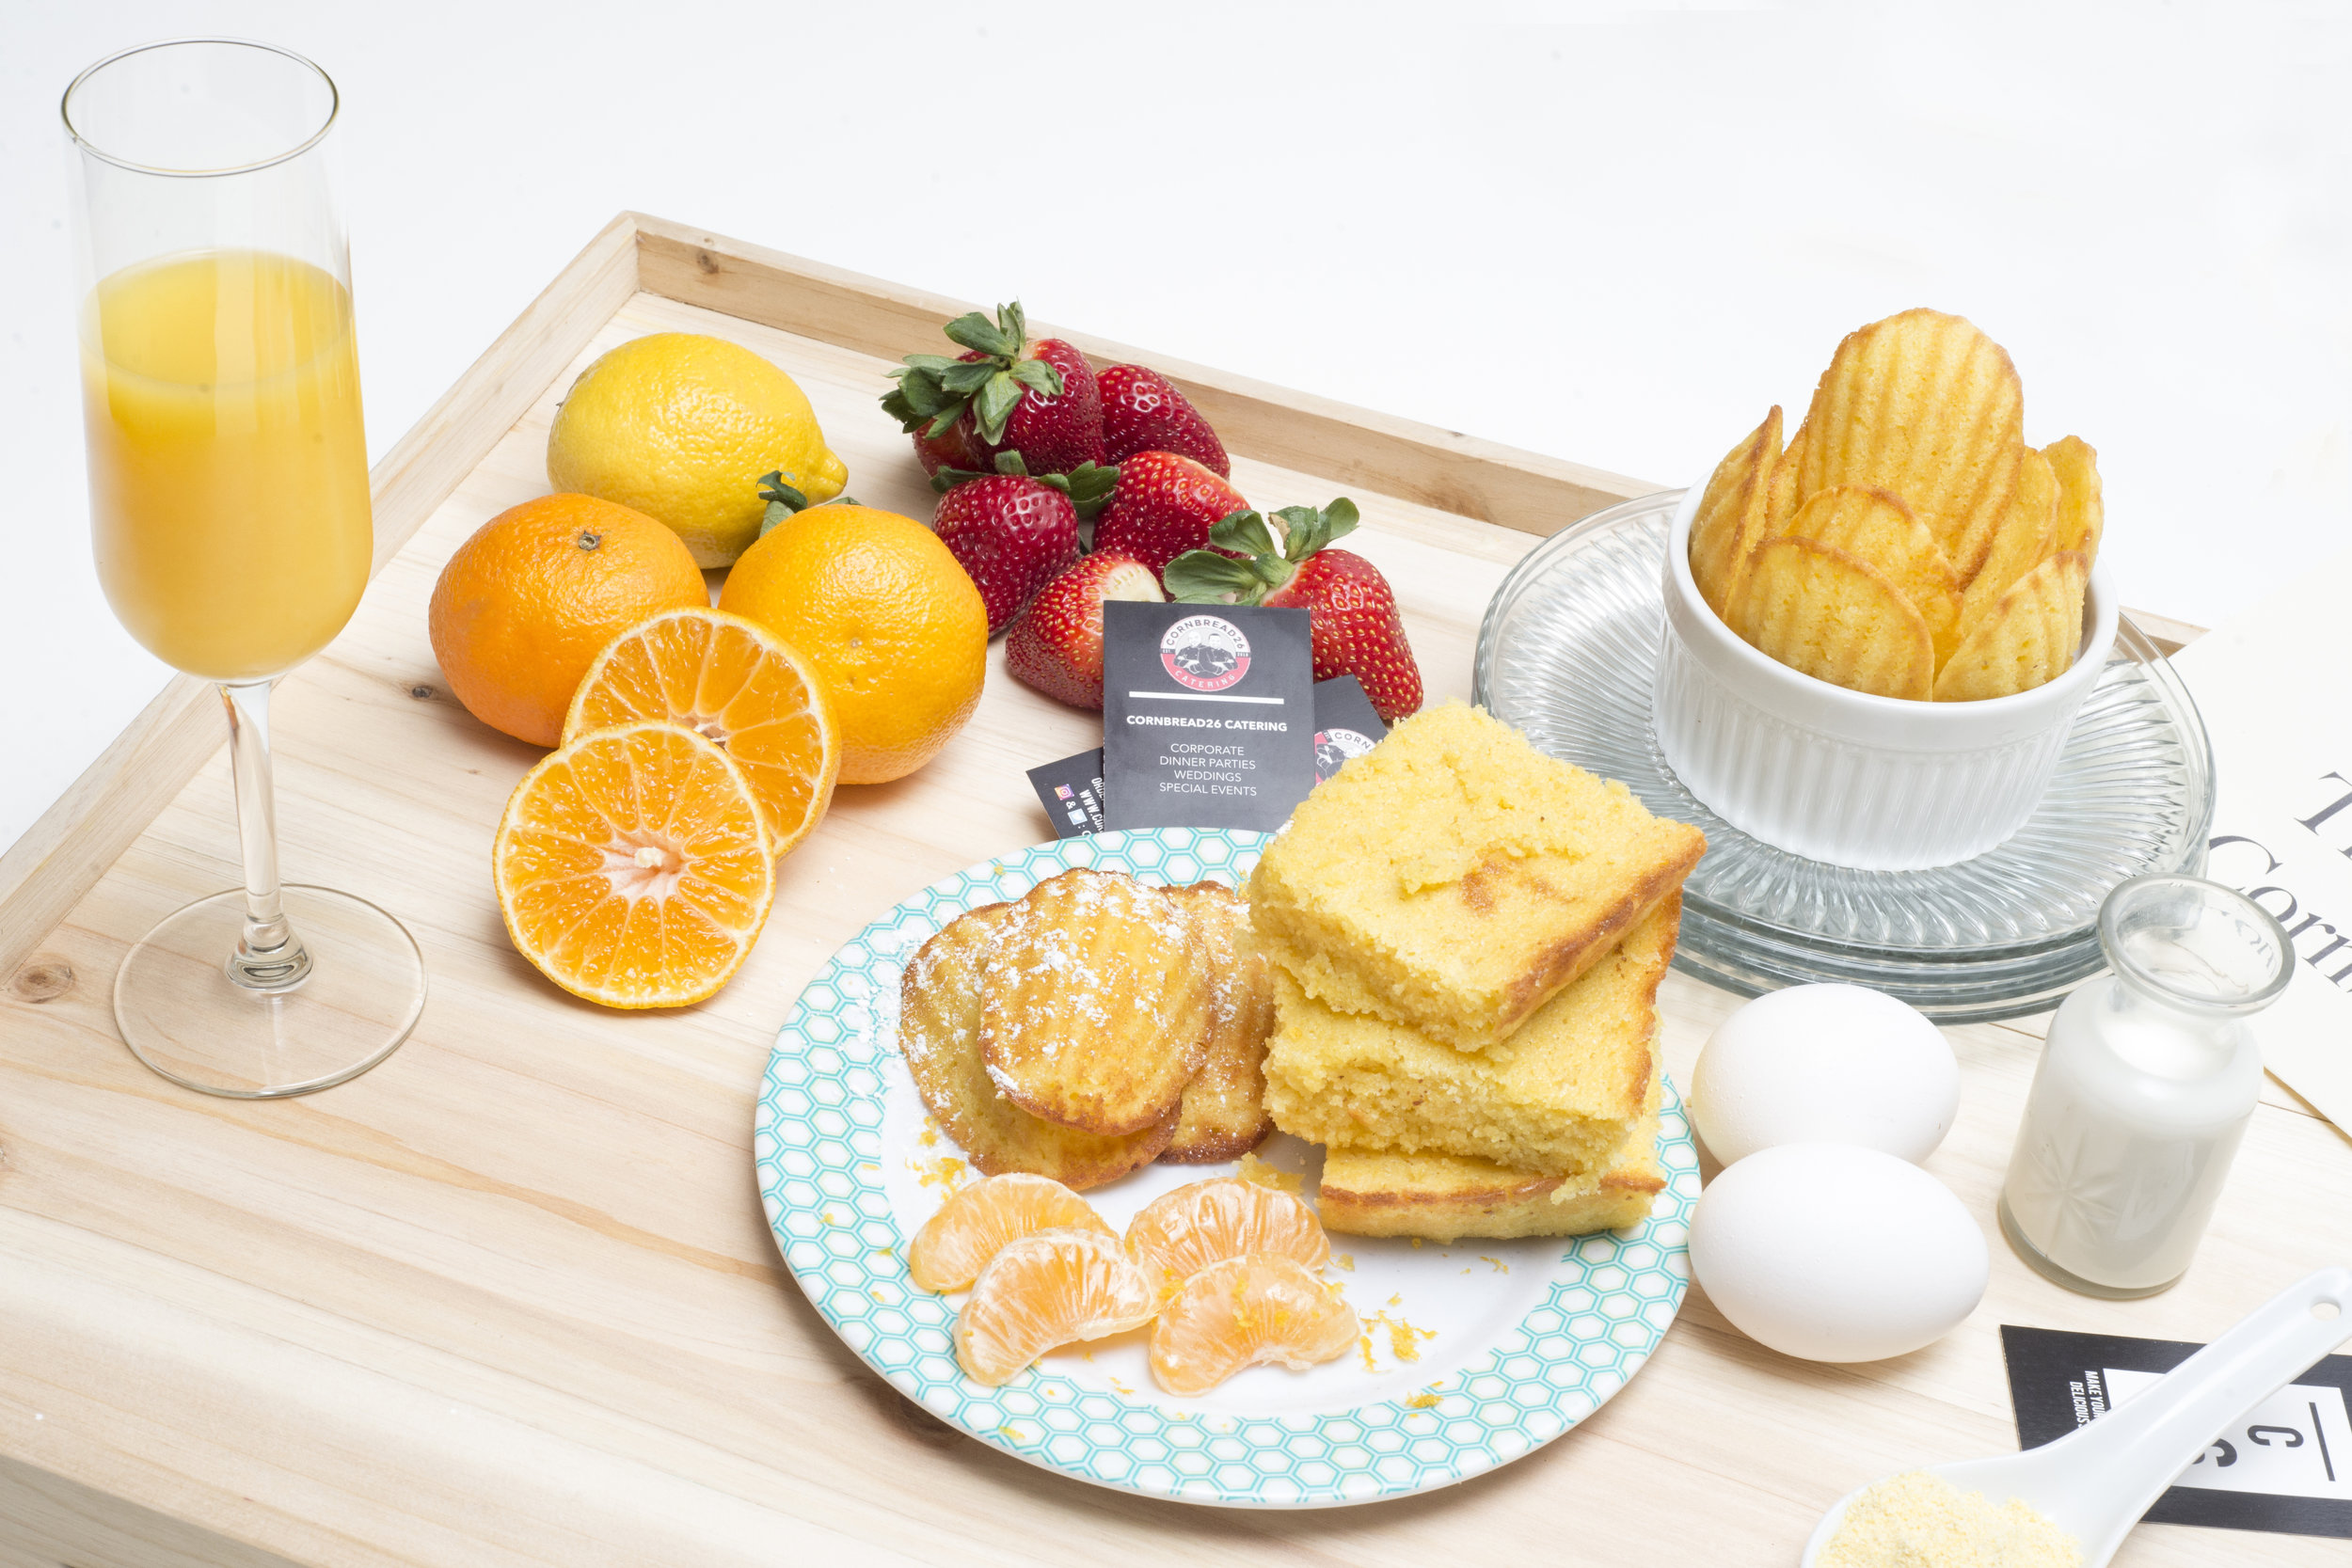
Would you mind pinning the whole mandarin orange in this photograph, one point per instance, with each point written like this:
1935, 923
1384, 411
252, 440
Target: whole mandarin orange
524, 606
892, 623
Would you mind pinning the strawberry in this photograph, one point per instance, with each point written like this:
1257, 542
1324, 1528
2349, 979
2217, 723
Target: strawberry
952, 448
1142, 411
1356, 629
1004, 393
1057, 647
1011, 533
1162, 505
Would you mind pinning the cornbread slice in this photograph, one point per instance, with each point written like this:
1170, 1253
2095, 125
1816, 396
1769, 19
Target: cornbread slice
1444, 1196
1455, 879
1555, 1098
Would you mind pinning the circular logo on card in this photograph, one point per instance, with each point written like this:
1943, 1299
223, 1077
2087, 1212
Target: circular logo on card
1335, 746
1205, 653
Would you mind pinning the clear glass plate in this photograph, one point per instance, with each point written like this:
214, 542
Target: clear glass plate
1567, 653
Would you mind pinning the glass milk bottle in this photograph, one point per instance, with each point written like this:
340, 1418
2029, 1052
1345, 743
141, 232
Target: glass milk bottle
2147, 1081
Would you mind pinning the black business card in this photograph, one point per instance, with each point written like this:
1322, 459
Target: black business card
1208, 714
2284, 1465
1072, 792
1345, 725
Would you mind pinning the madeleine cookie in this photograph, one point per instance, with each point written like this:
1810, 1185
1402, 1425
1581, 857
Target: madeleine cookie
1224, 1114
939, 1035
1094, 1005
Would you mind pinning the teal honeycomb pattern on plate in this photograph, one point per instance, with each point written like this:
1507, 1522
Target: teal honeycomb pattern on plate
817, 1146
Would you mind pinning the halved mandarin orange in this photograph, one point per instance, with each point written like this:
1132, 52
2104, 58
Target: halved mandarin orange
1248, 1313
735, 683
632, 868
1178, 1234
979, 1222
1054, 1287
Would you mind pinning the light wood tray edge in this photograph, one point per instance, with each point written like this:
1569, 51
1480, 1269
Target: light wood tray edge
87, 828
73, 843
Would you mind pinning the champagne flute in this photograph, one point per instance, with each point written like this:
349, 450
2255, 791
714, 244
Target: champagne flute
230, 517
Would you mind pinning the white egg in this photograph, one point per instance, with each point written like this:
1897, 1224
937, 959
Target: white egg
1828, 1252
1825, 1064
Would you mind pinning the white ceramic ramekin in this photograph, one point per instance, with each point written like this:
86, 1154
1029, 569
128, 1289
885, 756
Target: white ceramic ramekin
1873, 783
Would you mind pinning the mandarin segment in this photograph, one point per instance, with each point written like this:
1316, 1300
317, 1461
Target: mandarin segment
2027, 639
1095, 1009
1731, 512
632, 868
736, 684
1248, 1313
1822, 612
1047, 1290
939, 1036
1925, 406
981, 1220
1878, 530
1178, 1234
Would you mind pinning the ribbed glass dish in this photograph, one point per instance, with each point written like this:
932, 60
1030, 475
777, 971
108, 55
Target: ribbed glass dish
1567, 654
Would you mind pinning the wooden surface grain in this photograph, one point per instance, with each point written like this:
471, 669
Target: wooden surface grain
509, 1299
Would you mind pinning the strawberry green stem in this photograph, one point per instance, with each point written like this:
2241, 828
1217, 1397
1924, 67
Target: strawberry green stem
934, 392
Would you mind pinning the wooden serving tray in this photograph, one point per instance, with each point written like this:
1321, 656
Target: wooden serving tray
509, 1299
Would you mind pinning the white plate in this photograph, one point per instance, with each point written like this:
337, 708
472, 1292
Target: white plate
1475, 1354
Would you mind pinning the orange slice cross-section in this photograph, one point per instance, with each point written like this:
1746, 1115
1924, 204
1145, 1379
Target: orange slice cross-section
736, 684
632, 868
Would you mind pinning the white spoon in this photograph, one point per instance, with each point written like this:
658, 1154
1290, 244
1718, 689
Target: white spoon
2096, 1481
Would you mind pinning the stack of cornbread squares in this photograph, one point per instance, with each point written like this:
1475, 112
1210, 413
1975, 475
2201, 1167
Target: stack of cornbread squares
1467, 937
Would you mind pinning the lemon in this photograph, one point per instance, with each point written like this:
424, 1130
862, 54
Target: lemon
681, 427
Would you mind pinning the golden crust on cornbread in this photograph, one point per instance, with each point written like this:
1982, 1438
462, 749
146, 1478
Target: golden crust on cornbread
1556, 1098
1094, 1008
1444, 1196
939, 1034
1224, 1114
1456, 879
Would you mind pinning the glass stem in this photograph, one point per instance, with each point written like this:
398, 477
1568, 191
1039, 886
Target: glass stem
269, 957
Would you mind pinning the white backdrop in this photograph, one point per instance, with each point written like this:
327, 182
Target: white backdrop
1612, 234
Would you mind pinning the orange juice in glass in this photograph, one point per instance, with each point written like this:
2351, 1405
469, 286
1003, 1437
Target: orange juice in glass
230, 520
229, 476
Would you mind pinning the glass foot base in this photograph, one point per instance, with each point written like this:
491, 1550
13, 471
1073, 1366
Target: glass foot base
2067, 1278
181, 1015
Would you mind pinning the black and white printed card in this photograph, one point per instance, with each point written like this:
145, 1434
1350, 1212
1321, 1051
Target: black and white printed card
1345, 726
2285, 1465
1208, 715
1072, 792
